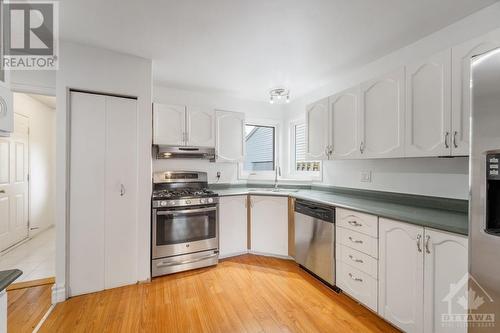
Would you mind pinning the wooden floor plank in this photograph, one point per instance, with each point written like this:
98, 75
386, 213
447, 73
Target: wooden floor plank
26, 307
242, 294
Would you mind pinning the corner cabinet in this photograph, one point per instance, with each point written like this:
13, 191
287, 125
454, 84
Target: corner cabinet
382, 116
232, 226
317, 147
230, 136
269, 225
417, 268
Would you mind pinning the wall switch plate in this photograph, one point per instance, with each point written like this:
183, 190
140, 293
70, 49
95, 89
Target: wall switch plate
366, 176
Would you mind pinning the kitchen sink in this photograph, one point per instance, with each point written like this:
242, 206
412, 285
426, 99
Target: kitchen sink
277, 190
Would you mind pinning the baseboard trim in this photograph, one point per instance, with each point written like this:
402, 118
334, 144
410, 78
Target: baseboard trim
58, 293
235, 254
30, 284
279, 256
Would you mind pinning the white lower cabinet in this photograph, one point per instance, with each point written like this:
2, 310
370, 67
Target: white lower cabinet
357, 284
417, 268
232, 225
269, 225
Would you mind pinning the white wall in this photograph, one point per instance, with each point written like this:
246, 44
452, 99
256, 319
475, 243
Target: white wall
88, 68
42, 123
254, 111
429, 176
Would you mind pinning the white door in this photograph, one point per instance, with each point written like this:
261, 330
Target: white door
269, 225
232, 225
382, 113
401, 276
230, 137
87, 193
14, 188
344, 124
428, 107
121, 192
200, 127
317, 130
445, 266
461, 60
169, 124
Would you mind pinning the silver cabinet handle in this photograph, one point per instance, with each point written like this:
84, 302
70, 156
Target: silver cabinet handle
355, 223
446, 137
355, 241
326, 152
427, 239
455, 139
2, 191
362, 147
355, 278
331, 150
419, 245
122, 190
355, 259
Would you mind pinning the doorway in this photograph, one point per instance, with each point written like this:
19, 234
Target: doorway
27, 189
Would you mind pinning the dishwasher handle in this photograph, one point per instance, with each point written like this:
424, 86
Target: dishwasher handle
318, 211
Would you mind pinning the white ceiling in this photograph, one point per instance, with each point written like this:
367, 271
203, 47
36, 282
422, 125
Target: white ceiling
246, 47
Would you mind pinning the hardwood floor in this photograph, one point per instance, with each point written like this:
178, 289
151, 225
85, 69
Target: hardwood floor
242, 294
26, 307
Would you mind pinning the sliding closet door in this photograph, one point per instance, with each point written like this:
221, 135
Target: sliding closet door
121, 192
87, 193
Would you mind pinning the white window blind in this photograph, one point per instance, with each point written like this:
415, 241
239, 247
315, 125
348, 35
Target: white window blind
300, 142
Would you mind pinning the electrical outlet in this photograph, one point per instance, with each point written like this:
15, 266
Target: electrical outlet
366, 176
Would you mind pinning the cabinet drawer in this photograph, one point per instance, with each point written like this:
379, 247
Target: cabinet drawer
358, 241
364, 223
357, 259
357, 284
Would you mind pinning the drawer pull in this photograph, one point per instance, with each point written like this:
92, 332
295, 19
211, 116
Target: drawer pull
355, 278
355, 241
355, 259
355, 224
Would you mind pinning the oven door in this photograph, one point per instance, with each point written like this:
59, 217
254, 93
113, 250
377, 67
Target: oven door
184, 230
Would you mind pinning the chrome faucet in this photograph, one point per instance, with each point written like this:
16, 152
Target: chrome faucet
278, 173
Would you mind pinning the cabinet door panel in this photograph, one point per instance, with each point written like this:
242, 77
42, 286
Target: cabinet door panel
401, 275
317, 129
344, 124
169, 124
461, 61
269, 225
445, 266
232, 225
382, 124
230, 138
428, 109
200, 127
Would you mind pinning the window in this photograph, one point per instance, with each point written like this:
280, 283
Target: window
299, 162
260, 152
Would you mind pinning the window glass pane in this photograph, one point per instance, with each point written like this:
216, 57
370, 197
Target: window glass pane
259, 142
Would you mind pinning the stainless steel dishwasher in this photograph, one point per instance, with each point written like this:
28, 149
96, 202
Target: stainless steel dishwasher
315, 239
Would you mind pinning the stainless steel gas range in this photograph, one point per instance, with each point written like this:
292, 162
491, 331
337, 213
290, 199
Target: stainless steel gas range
185, 222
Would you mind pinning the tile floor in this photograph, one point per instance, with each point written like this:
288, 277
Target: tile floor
36, 257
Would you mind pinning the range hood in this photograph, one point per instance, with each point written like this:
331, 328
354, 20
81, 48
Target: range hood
167, 152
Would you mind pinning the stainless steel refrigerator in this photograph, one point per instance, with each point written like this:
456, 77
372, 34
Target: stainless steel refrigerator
484, 205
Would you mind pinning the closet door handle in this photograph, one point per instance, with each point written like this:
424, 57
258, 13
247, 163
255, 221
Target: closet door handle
122, 190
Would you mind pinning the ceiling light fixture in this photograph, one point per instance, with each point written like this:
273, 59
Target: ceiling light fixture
279, 93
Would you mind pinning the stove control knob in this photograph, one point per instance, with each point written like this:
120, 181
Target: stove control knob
187, 202
163, 203
202, 201
210, 200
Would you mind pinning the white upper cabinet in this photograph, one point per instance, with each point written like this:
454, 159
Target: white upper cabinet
401, 261
382, 114
428, 106
200, 125
230, 137
169, 124
317, 130
445, 265
344, 124
461, 60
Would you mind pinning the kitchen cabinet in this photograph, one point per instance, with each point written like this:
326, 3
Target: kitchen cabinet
230, 136
428, 107
461, 74
103, 193
417, 268
178, 125
382, 116
317, 147
269, 225
232, 225
344, 123
445, 264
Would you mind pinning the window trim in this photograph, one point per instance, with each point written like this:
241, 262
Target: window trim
294, 174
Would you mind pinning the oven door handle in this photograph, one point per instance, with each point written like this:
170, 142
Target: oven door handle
185, 262
186, 211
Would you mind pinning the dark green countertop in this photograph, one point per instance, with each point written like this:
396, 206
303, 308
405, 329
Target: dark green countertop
7, 277
418, 210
